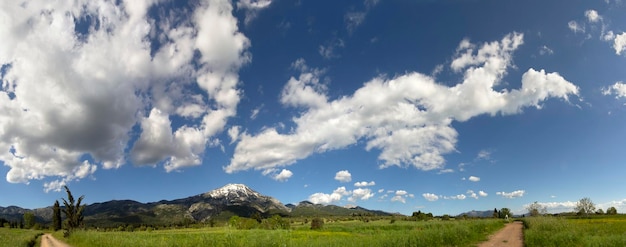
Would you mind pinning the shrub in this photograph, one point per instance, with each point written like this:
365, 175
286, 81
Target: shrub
317, 223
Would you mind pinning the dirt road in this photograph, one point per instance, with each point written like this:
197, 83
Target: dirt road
510, 235
48, 240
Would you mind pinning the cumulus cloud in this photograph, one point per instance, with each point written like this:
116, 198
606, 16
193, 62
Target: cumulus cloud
354, 195
400, 196
364, 184
592, 15
69, 97
252, 8
343, 176
618, 89
474, 179
456, 197
448, 170
408, 117
482, 193
322, 198
361, 194
430, 197
510, 195
619, 43
284, 175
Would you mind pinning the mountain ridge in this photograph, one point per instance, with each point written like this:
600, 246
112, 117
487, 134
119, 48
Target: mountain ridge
220, 203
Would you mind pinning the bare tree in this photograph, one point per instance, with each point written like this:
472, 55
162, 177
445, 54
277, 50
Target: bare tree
536, 209
585, 206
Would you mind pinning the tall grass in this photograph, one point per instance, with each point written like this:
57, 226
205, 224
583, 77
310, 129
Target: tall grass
354, 233
18, 237
560, 231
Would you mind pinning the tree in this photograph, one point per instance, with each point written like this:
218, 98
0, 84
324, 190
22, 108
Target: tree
536, 209
73, 210
611, 211
56, 216
29, 220
504, 212
599, 211
495, 213
317, 223
585, 206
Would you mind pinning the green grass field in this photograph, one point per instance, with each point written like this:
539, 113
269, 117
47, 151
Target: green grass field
18, 237
561, 231
351, 233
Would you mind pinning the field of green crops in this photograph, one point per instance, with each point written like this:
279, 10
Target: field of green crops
585, 231
18, 237
351, 233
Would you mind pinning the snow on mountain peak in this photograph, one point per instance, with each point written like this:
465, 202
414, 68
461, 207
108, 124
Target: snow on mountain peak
233, 189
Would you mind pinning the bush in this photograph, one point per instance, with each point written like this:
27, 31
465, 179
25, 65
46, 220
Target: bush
317, 223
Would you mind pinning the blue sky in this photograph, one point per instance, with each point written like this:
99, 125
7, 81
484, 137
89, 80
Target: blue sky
439, 106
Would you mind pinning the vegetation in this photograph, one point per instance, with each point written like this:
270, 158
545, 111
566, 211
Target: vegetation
575, 231
73, 210
536, 209
18, 237
336, 233
317, 223
56, 216
611, 211
585, 206
29, 220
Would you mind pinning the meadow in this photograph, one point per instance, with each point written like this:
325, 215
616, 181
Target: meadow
346, 233
575, 231
18, 237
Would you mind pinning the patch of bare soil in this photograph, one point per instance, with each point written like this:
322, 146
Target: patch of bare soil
48, 240
510, 235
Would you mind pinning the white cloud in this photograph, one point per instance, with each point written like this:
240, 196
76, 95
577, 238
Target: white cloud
618, 89
545, 50
472, 194
608, 36
474, 179
445, 171
284, 175
364, 184
322, 198
381, 190
430, 197
592, 15
354, 19
252, 8
361, 194
329, 50
400, 196
76, 96
620, 43
457, 197
408, 118
233, 133
575, 27
510, 195
482, 193
343, 176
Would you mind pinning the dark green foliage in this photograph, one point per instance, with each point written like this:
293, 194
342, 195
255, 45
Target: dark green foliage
317, 223
56, 216
611, 211
276, 222
496, 214
73, 210
445, 217
504, 212
419, 216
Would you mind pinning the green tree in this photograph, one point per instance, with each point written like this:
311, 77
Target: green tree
73, 210
611, 211
504, 212
495, 213
536, 209
56, 216
29, 220
585, 206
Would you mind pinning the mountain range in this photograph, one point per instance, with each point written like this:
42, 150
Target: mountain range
221, 204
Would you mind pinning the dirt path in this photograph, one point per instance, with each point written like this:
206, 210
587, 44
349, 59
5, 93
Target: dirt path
510, 235
48, 240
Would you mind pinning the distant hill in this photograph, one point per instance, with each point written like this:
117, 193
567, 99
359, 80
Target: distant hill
478, 214
221, 203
